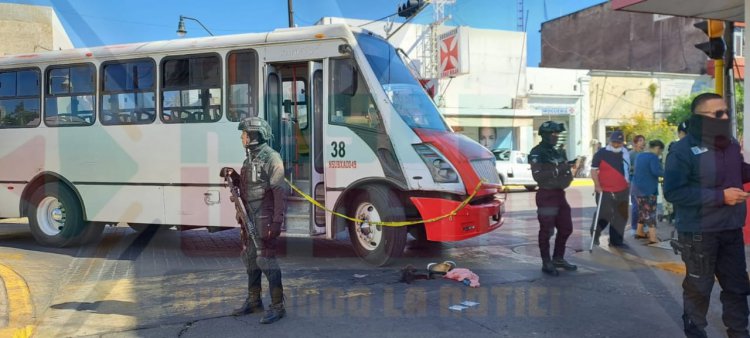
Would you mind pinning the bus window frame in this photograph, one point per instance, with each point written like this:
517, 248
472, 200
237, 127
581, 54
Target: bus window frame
254, 84
102, 92
380, 128
39, 96
306, 84
46, 93
162, 88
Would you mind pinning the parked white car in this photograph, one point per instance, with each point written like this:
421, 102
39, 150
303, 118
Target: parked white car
514, 169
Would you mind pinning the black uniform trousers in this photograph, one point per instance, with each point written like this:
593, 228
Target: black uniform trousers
266, 262
721, 255
613, 212
553, 212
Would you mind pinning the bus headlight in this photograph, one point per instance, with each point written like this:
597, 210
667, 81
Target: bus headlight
442, 171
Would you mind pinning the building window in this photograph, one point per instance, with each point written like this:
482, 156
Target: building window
739, 41
128, 95
242, 75
191, 89
70, 99
20, 98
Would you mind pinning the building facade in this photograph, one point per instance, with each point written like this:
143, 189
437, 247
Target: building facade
561, 95
29, 29
601, 38
617, 96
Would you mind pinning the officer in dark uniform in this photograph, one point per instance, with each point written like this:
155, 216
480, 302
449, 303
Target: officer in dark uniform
551, 170
703, 179
264, 196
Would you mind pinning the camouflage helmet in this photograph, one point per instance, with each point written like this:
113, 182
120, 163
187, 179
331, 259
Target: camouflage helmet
258, 124
550, 127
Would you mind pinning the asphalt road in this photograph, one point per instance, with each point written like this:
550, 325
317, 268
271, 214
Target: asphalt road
184, 284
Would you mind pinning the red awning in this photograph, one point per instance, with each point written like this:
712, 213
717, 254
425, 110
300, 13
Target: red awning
727, 10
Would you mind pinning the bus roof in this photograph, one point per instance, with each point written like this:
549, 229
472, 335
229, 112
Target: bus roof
125, 50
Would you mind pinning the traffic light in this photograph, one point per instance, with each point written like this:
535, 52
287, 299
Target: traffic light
409, 8
715, 46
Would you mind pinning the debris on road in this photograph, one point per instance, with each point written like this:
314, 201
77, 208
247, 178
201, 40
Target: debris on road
409, 274
461, 274
458, 308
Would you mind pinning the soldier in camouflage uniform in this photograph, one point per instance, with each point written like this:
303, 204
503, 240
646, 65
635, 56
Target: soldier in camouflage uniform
264, 196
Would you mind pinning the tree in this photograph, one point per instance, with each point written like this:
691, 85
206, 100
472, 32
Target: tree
651, 129
681, 107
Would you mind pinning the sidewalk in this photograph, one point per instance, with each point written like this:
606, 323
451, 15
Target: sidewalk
660, 255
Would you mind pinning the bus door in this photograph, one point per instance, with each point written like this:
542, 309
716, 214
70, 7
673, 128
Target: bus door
317, 107
292, 122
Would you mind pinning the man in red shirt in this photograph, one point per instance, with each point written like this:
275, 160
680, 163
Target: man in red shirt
609, 170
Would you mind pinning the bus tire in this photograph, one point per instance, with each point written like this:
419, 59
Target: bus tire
56, 217
378, 244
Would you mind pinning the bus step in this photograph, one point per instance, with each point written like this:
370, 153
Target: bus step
298, 207
297, 224
303, 185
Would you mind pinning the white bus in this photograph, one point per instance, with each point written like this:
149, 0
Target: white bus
137, 134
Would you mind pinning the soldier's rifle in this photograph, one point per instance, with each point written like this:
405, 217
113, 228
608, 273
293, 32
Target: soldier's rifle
232, 178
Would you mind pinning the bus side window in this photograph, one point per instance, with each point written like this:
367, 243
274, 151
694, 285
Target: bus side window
351, 103
20, 98
128, 95
69, 98
242, 78
191, 89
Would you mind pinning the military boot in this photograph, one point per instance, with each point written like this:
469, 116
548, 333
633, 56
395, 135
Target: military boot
252, 304
562, 263
276, 311
549, 268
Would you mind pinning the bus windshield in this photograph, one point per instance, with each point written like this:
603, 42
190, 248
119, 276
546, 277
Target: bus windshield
405, 92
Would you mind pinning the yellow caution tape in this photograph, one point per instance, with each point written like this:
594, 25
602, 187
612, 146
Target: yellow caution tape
392, 224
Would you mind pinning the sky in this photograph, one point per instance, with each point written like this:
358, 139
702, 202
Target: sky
103, 22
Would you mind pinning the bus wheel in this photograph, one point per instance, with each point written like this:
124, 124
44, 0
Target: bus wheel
377, 244
56, 218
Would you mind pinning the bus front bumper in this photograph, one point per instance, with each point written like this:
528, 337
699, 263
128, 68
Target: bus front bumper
471, 221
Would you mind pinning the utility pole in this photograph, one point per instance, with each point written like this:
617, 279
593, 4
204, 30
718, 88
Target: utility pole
291, 13
433, 47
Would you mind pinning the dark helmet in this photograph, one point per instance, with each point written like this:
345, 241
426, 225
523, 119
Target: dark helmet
550, 127
258, 124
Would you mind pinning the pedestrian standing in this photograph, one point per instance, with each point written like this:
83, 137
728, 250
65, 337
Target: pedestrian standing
639, 144
681, 133
551, 171
609, 170
645, 187
264, 196
703, 179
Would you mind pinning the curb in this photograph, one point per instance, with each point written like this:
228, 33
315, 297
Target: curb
582, 182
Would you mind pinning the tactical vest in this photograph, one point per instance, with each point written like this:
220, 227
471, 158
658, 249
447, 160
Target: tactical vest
255, 176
